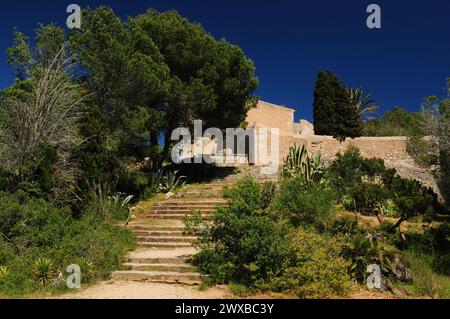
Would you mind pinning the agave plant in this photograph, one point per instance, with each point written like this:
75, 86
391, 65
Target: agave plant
170, 181
298, 163
117, 200
43, 270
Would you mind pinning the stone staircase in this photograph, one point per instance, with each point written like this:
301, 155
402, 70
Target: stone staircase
162, 249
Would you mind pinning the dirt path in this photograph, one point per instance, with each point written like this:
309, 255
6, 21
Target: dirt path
146, 290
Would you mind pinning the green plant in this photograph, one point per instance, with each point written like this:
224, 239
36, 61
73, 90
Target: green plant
43, 270
315, 268
240, 290
313, 205
170, 181
365, 249
424, 281
242, 245
370, 184
267, 195
298, 163
370, 199
118, 206
4, 272
391, 210
362, 102
334, 114
87, 269
193, 223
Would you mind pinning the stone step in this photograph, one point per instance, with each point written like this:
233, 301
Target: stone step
157, 233
163, 245
151, 239
144, 227
173, 216
176, 202
159, 277
179, 211
182, 268
198, 196
145, 260
182, 206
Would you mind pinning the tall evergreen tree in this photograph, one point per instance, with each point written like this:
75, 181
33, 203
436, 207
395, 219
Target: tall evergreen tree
333, 113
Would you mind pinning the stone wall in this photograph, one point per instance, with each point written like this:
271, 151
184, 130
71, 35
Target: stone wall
391, 149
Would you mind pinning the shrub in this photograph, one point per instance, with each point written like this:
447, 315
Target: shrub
369, 199
313, 205
242, 245
267, 195
315, 268
39, 240
424, 281
43, 270
242, 248
365, 182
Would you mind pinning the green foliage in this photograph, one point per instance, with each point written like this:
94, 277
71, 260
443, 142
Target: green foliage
398, 122
193, 223
363, 249
87, 269
106, 206
298, 163
240, 290
242, 245
334, 114
169, 181
160, 73
367, 186
312, 205
421, 151
315, 268
43, 270
267, 195
369, 198
424, 281
362, 102
34, 232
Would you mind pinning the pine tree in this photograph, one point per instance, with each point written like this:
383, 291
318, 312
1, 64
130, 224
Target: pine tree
333, 113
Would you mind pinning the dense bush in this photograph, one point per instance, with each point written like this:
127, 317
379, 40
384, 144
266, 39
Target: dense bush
315, 268
35, 234
312, 205
242, 245
369, 198
367, 186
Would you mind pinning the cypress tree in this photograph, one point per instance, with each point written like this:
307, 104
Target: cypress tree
333, 113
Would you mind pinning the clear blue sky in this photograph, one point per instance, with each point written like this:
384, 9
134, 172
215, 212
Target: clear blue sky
289, 40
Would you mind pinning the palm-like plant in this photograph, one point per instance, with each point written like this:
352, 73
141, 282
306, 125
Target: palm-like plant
363, 103
44, 270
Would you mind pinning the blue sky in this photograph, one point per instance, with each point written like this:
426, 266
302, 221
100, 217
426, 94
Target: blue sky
289, 40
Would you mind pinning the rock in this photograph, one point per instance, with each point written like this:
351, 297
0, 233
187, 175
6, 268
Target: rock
169, 195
